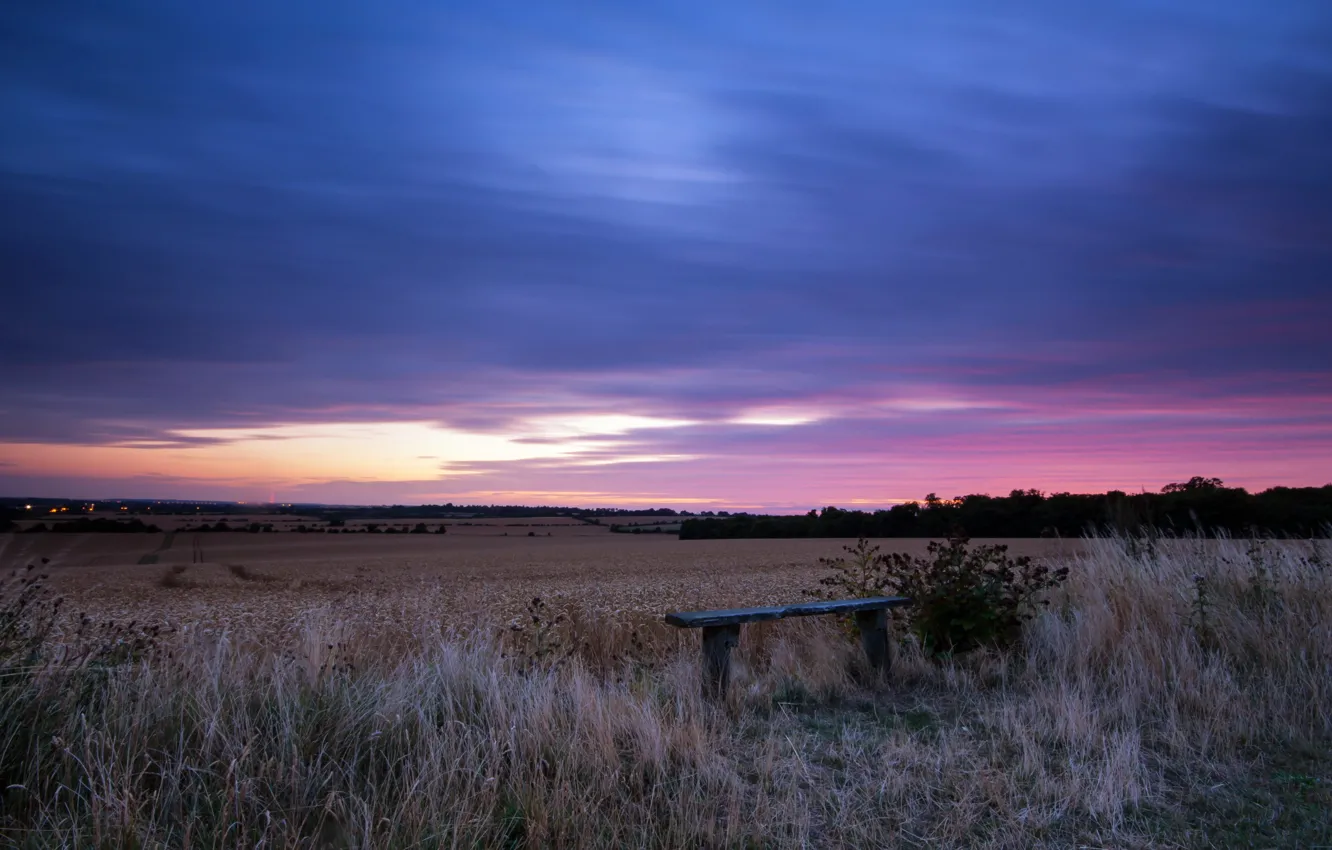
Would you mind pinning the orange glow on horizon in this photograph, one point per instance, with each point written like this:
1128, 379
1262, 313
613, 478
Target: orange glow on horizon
294, 455
770, 459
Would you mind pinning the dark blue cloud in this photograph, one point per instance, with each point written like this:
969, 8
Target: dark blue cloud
258, 212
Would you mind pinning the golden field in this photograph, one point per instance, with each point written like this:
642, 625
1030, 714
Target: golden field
489, 565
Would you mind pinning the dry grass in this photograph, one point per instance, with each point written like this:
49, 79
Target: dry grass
1131, 718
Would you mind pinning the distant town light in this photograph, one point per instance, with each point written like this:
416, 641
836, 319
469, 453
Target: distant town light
27, 507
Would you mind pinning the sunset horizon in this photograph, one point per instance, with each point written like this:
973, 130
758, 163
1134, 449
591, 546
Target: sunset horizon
588, 499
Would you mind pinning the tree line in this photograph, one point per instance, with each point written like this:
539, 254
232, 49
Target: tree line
94, 525
1197, 505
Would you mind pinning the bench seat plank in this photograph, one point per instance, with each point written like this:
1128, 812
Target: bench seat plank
726, 617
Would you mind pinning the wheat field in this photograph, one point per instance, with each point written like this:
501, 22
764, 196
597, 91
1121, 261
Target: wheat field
371, 692
490, 566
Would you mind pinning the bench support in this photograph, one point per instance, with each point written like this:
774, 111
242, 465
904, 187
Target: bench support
721, 632
717, 644
873, 627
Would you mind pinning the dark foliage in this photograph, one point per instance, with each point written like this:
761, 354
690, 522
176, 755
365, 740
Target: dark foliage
223, 526
1201, 504
102, 525
963, 597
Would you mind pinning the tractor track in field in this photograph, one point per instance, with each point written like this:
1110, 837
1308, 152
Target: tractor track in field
152, 557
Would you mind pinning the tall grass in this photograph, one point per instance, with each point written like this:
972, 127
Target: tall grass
1132, 716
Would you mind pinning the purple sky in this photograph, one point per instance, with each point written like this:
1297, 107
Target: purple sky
716, 254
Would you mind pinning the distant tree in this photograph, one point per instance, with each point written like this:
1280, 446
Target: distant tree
1195, 484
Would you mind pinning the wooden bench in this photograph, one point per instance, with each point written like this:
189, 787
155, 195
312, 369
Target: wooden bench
721, 631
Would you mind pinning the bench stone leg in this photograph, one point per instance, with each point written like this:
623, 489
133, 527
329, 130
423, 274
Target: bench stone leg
717, 644
873, 627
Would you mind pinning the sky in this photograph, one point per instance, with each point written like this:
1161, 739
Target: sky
750, 255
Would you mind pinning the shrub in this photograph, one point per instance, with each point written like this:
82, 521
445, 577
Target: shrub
963, 597
857, 574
